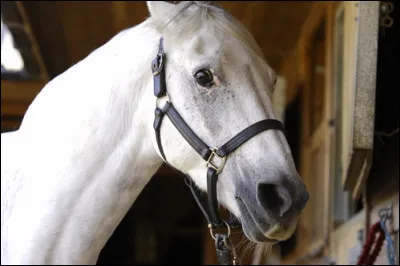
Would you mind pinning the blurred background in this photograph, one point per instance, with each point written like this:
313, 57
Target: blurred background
337, 94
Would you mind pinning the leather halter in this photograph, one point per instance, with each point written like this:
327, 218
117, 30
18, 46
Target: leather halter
207, 153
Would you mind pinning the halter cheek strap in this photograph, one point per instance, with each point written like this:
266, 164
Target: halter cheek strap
210, 208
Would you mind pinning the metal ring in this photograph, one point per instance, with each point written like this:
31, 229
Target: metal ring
227, 225
227, 243
159, 98
209, 163
387, 7
386, 22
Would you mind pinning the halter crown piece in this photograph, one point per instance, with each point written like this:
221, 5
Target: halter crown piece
223, 244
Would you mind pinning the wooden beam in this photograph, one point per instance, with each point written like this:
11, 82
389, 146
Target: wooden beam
13, 108
21, 91
289, 70
52, 41
313, 20
9, 125
10, 122
295, 63
329, 188
35, 48
297, 67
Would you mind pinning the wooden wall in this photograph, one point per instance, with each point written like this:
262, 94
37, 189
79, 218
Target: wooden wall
65, 32
319, 240
17, 94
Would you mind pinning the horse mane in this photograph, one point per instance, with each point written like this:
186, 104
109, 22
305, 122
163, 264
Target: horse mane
205, 12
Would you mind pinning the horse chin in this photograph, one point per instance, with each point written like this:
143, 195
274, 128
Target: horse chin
257, 236
254, 233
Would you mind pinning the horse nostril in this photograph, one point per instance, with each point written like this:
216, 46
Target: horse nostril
273, 198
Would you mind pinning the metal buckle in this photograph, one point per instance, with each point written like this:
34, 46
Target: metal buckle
158, 100
210, 226
160, 65
210, 164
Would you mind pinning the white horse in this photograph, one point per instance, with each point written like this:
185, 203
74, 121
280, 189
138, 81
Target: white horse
86, 147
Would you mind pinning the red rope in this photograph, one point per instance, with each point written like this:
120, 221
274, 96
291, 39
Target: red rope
366, 258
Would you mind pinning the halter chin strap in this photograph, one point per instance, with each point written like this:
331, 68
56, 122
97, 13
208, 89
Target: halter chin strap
207, 153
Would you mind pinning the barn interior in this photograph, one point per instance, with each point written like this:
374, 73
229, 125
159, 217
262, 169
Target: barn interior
165, 225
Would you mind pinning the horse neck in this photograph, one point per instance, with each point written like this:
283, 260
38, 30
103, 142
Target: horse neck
89, 166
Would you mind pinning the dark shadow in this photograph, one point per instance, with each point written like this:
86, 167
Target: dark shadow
164, 226
293, 130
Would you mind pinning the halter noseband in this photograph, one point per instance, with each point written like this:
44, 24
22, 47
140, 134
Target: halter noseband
207, 153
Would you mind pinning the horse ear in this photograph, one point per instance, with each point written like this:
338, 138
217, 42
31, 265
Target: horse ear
159, 9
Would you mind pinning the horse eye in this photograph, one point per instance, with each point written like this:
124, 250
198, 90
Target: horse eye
204, 78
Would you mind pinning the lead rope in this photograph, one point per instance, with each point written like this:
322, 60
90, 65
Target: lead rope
367, 257
390, 246
386, 214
